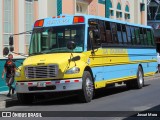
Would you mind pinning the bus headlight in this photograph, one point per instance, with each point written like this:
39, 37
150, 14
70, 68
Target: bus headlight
73, 70
17, 74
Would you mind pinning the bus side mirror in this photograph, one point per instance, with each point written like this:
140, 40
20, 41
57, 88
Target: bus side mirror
11, 40
71, 45
5, 51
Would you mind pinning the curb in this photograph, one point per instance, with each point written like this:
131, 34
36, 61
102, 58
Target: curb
8, 102
2, 104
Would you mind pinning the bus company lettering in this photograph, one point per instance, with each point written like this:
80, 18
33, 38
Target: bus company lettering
60, 21
115, 51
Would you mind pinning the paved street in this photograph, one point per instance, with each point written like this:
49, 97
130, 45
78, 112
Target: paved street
113, 99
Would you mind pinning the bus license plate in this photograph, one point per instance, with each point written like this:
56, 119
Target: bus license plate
41, 84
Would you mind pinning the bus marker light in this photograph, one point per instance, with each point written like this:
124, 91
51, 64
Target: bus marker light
48, 83
76, 80
39, 23
78, 19
67, 81
29, 84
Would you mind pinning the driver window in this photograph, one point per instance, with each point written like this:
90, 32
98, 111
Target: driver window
92, 38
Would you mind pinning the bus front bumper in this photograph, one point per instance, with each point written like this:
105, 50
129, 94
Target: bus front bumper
49, 86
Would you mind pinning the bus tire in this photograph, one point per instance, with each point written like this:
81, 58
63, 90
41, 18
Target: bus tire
25, 98
139, 82
87, 92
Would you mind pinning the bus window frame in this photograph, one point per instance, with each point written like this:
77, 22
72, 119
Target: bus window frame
141, 31
120, 25
100, 30
108, 41
145, 33
114, 35
137, 41
125, 30
131, 41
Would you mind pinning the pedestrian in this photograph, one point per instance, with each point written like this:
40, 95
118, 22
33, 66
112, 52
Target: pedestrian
9, 69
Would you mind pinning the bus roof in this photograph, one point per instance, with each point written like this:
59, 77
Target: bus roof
65, 19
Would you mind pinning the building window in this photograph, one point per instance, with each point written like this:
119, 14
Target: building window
8, 21
127, 13
127, 8
82, 7
29, 21
118, 12
79, 8
111, 12
118, 6
127, 16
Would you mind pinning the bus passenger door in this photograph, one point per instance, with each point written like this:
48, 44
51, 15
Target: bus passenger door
95, 55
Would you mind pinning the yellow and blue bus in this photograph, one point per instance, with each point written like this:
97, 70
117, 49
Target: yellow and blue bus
82, 53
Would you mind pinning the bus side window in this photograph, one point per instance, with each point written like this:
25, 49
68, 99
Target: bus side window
141, 37
145, 36
114, 32
153, 40
129, 35
119, 33
133, 35
124, 34
149, 37
102, 31
137, 33
108, 32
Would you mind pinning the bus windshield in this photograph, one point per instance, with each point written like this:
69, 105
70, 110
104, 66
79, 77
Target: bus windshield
54, 39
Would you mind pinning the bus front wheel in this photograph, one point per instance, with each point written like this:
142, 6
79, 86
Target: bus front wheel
86, 94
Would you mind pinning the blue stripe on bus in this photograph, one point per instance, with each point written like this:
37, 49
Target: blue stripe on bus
120, 71
141, 54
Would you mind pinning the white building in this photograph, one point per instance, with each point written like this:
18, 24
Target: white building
17, 16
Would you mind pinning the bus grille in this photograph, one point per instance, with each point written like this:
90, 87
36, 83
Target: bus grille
49, 71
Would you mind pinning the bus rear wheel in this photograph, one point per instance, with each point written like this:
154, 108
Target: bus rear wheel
139, 82
86, 94
25, 98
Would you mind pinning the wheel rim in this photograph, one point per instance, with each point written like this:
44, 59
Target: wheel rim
89, 87
140, 78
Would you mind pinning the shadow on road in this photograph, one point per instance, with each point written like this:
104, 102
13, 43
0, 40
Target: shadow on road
73, 99
114, 90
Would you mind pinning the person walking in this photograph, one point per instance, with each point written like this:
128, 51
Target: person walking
9, 69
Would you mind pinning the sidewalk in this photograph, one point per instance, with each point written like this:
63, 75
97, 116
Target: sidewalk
7, 101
